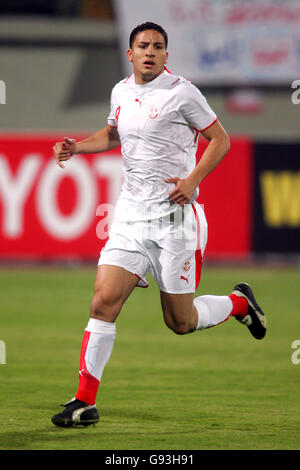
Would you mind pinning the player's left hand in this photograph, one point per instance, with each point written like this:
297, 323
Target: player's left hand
182, 192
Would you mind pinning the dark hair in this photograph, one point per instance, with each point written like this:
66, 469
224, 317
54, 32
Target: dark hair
145, 27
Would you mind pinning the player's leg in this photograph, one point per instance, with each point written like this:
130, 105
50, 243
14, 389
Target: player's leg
185, 314
112, 287
177, 270
179, 312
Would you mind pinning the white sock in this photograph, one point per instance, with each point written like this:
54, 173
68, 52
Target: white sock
100, 345
212, 310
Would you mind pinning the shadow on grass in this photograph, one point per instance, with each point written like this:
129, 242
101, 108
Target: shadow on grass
49, 438
78, 437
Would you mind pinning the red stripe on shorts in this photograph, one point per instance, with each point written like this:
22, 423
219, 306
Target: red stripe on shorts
198, 254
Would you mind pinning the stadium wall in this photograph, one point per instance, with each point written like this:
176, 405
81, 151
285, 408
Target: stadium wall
47, 213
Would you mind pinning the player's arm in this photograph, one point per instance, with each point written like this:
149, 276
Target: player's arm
216, 150
101, 141
218, 147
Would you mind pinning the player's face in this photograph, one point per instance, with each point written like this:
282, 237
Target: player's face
148, 55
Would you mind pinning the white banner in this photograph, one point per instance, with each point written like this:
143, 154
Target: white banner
216, 42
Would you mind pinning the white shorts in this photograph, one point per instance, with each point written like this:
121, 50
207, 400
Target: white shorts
171, 247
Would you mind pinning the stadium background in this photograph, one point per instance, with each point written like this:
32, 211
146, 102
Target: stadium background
59, 61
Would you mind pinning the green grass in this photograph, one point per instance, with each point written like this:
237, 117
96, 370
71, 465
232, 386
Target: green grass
215, 389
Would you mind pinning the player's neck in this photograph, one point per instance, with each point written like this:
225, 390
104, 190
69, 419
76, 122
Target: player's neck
144, 79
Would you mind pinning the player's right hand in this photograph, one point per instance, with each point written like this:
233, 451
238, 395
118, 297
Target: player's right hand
64, 151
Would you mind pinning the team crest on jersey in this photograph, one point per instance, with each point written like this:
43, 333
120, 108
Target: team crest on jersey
186, 266
153, 112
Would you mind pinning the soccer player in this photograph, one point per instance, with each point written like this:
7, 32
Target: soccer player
156, 117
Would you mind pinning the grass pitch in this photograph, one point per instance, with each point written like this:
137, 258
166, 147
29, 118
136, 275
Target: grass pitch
218, 389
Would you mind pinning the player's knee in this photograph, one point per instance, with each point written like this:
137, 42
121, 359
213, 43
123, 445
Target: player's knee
180, 328
105, 305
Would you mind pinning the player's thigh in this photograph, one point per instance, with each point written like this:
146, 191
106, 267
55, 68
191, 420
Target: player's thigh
112, 287
179, 312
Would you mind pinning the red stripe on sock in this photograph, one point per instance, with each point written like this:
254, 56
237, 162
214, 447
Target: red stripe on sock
84, 344
88, 387
88, 384
239, 305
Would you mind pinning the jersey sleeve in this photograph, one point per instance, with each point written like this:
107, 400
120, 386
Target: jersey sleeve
195, 108
111, 120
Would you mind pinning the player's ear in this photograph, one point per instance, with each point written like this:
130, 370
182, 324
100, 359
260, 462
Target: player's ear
129, 55
166, 59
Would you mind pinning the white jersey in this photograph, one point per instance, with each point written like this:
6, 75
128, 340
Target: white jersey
158, 125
